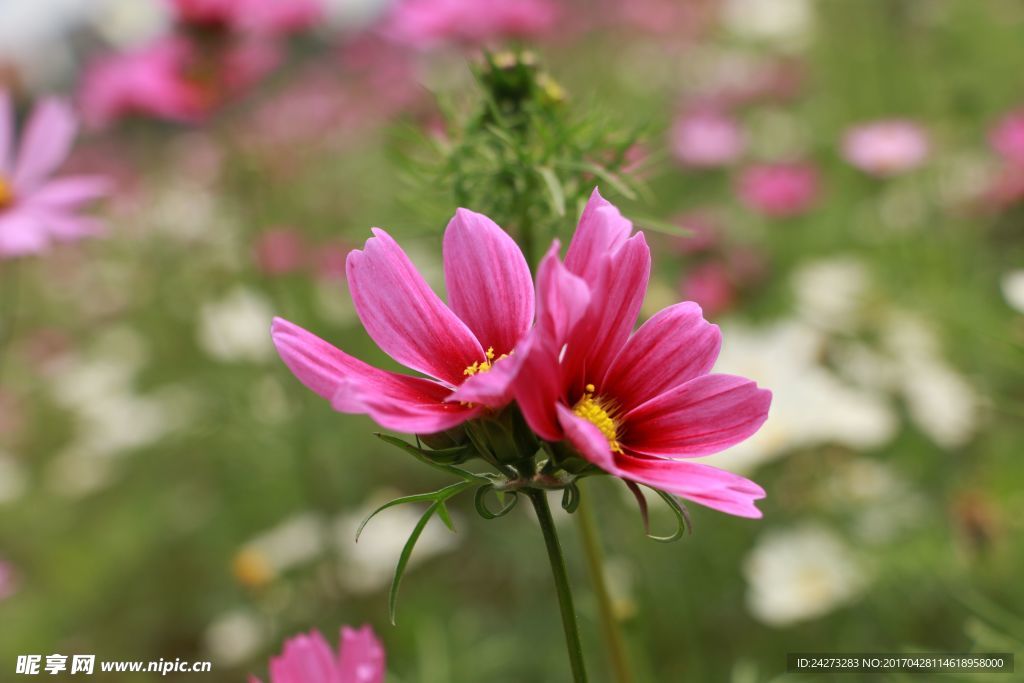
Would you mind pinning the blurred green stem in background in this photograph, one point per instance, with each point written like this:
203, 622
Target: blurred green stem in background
610, 630
572, 633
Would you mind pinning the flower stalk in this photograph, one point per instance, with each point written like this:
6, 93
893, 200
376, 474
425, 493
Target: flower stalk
614, 641
562, 587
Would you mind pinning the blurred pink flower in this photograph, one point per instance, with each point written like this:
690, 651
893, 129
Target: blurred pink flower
8, 580
490, 293
703, 229
308, 658
428, 23
281, 251
632, 403
1007, 137
172, 79
275, 17
780, 189
709, 285
150, 80
706, 138
35, 209
886, 147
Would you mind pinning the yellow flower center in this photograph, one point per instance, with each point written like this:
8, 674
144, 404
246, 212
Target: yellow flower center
488, 363
599, 412
6, 193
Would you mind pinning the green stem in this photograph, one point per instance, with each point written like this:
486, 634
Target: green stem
595, 565
572, 634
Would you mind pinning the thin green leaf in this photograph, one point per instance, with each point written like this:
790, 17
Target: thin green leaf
486, 512
421, 455
555, 191
617, 183
442, 512
570, 498
641, 502
403, 559
683, 524
434, 496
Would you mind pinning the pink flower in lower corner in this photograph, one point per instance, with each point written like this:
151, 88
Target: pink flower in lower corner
887, 147
36, 209
780, 190
426, 24
308, 658
636, 404
462, 347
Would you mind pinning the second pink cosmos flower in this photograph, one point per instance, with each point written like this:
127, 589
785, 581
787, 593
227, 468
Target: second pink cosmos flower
490, 309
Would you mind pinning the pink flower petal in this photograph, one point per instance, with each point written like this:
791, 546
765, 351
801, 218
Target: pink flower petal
362, 656
404, 316
488, 280
601, 231
6, 132
21, 233
399, 402
305, 659
45, 144
562, 298
615, 302
717, 489
676, 345
709, 486
71, 191
493, 388
706, 415
539, 390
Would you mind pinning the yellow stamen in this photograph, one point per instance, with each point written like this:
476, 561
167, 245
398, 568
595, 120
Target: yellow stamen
599, 412
488, 363
6, 193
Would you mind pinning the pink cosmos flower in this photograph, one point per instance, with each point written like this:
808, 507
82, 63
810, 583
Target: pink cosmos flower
271, 17
461, 346
171, 79
150, 80
887, 147
281, 251
780, 190
426, 24
711, 286
308, 658
707, 139
35, 209
632, 403
1007, 137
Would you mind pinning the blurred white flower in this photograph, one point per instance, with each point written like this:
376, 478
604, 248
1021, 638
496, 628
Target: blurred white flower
369, 564
34, 36
236, 327
13, 479
234, 637
785, 23
830, 292
1013, 289
810, 405
940, 401
800, 574
883, 503
294, 542
125, 23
